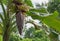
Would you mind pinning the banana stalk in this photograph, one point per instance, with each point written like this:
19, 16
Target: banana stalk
20, 14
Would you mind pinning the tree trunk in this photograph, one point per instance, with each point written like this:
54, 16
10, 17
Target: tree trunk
6, 32
6, 36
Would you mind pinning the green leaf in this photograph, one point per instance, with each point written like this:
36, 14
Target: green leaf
55, 14
13, 23
28, 2
1, 17
42, 10
34, 16
1, 30
4, 12
13, 28
4, 1
51, 20
1, 38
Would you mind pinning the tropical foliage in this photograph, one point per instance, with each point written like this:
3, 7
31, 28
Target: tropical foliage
9, 31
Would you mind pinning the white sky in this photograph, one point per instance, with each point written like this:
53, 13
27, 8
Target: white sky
0, 9
40, 1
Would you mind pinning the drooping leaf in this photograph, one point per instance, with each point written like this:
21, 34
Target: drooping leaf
50, 20
42, 10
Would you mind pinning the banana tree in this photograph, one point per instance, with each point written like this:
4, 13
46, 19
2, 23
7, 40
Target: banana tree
7, 19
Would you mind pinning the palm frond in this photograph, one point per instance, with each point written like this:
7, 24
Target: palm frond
1, 17
4, 12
